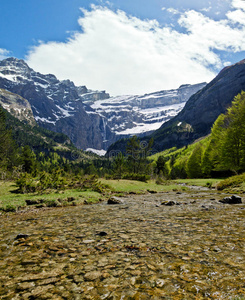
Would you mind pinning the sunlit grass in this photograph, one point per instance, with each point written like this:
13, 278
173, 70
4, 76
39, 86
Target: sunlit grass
128, 186
8, 196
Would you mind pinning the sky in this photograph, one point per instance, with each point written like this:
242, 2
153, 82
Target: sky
125, 46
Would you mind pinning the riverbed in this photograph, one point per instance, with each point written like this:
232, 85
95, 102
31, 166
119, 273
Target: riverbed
143, 248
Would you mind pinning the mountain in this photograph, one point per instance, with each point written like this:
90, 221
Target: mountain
56, 105
141, 115
199, 113
91, 119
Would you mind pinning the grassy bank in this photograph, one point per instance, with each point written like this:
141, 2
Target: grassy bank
10, 200
131, 186
205, 182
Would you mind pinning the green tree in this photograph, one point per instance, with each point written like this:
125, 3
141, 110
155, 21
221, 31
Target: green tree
161, 165
7, 145
228, 137
194, 169
119, 165
28, 159
137, 153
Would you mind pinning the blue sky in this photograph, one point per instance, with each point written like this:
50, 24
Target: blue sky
125, 46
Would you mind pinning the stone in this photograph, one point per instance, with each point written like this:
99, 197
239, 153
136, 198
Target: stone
169, 203
21, 236
91, 276
231, 200
102, 233
115, 200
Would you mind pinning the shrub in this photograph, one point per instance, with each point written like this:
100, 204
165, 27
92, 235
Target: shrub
9, 208
135, 176
53, 203
231, 182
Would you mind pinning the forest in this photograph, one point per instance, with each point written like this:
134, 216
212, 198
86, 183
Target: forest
38, 160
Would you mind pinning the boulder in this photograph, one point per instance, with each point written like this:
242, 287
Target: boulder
231, 200
115, 200
170, 203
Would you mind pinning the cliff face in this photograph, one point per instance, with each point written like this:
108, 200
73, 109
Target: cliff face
17, 106
199, 113
56, 105
141, 115
202, 109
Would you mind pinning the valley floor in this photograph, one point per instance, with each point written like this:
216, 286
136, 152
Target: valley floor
136, 250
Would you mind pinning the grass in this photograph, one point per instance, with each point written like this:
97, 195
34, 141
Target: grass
9, 199
199, 182
235, 183
127, 186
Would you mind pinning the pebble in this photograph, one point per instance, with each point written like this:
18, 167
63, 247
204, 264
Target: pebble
144, 252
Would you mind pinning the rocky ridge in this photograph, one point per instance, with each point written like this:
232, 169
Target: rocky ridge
140, 115
199, 113
56, 105
19, 107
91, 119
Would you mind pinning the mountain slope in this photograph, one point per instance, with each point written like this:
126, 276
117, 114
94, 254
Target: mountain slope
199, 113
17, 106
91, 119
56, 105
141, 115
202, 109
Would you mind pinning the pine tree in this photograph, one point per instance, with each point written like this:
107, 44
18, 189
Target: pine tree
7, 146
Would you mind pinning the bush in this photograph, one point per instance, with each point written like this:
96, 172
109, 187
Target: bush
53, 203
9, 208
231, 182
25, 184
208, 185
138, 177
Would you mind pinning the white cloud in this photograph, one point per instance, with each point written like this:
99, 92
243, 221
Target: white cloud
237, 16
3, 53
239, 4
126, 55
173, 11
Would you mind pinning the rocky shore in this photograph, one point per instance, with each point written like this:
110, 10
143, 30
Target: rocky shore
157, 246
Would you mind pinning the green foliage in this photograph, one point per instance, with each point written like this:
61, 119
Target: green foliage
135, 176
119, 165
232, 182
193, 167
221, 153
7, 146
137, 153
9, 208
228, 136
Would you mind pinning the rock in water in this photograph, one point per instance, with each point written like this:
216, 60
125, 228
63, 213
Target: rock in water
231, 200
21, 236
115, 200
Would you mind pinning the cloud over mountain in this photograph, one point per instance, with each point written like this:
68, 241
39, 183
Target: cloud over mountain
123, 54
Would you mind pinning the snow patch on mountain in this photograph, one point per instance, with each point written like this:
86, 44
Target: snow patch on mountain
128, 115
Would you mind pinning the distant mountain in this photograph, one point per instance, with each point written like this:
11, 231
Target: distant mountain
56, 105
141, 115
200, 111
91, 119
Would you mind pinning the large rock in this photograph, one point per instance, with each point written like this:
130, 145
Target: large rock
231, 200
115, 200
